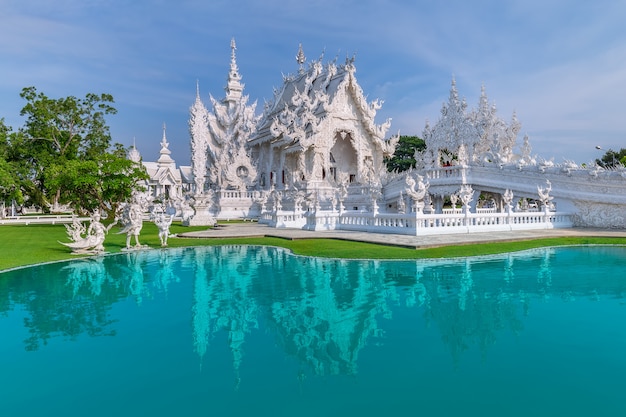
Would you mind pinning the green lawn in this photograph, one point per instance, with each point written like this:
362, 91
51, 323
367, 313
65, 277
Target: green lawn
27, 245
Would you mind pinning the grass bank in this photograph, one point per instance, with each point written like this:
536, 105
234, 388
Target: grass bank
27, 245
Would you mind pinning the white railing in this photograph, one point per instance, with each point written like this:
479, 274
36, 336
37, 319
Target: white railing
284, 219
236, 194
445, 173
418, 224
42, 219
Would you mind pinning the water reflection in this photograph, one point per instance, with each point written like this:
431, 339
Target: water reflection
322, 312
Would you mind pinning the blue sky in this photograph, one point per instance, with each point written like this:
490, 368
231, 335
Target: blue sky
561, 65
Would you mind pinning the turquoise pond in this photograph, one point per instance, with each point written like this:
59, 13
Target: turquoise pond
256, 331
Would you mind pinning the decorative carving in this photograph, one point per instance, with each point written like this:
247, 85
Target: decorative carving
401, 204
320, 112
417, 195
507, 198
466, 195
476, 137
544, 195
595, 214
162, 218
199, 132
219, 145
131, 218
92, 241
454, 198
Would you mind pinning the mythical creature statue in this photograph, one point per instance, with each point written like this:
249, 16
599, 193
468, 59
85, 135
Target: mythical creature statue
507, 197
466, 194
75, 230
131, 218
401, 204
163, 221
92, 242
277, 200
454, 198
298, 197
544, 195
416, 195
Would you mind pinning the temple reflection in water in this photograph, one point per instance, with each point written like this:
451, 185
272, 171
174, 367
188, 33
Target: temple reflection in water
322, 312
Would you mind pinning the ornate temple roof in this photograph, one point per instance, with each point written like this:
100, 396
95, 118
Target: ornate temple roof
474, 137
307, 98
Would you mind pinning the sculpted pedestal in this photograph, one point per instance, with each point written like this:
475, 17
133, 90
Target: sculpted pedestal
202, 216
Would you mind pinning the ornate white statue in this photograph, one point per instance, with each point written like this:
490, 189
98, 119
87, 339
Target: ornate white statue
507, 197
277, 200
163, 221
454, 197
131, 218
183, 207
92, 242
416, 195
544, 195
75, 230
401, 204
466, 194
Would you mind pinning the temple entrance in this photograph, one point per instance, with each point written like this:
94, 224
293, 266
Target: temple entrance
342, 158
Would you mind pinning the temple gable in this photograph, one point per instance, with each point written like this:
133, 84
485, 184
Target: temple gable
319, 130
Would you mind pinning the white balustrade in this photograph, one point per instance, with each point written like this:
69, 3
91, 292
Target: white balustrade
420, 224
42, 219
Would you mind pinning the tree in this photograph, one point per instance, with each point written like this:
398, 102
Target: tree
102, 183
10, 189
63, 154
404, 156
611, 158
57, 131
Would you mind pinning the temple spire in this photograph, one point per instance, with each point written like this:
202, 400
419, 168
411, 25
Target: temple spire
454, 95
233, 58
164, 143
165, 159
133, 153
300, 58
234, 88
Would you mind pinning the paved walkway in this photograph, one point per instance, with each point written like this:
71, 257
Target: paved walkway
260, 230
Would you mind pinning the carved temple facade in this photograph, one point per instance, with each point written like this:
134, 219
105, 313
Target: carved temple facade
167, 181
315, 159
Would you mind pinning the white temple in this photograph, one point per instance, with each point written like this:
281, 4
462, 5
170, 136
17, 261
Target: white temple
167, 180
315, 159
315, 144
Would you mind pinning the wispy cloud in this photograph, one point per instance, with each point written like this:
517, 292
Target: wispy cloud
558, 63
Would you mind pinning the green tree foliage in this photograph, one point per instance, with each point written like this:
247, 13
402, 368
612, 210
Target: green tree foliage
101, 183
60, 130
9, 182
404, 156
611, 158
63, 154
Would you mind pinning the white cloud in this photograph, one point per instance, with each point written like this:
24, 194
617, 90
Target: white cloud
558, 64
